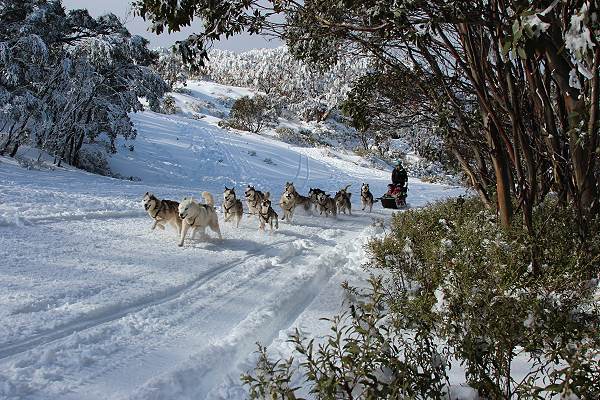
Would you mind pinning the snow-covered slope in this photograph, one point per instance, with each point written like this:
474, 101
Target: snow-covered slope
95, 305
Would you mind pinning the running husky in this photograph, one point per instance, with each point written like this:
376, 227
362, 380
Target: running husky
267, 215
304, 201
254, 199
162, 212
342, 200
232, 206
326, 205
288, 204
198, 216
313, 195
366, 197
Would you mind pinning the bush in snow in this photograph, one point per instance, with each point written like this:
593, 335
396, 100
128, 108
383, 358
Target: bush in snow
168, 105
459, 288
472, 286
302, 137
363, 357
94, 161
251, 114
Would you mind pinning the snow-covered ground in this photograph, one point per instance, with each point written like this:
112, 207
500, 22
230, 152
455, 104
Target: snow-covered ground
95, 305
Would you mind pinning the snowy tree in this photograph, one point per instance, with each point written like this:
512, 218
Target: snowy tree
306, 92
69, 78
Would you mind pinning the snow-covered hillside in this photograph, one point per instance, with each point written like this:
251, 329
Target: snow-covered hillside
95, 305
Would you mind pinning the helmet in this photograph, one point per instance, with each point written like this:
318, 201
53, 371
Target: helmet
398, 163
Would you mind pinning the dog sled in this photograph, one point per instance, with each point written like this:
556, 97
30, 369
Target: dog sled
395, 198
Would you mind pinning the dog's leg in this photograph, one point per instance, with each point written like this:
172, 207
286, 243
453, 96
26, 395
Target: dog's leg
154, 224
184, 230
178, 225
239, 218
214, 226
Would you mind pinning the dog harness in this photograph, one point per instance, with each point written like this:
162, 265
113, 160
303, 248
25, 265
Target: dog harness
229, 208
267, 217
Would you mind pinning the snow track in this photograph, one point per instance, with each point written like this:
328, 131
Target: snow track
101, 316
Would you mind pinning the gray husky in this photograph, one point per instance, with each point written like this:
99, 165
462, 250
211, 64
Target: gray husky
232, 206
300, 200
198, 216
267, 215
162, 211
313, 195
326, 205
288, 205
366, 197
254, 199
342, 200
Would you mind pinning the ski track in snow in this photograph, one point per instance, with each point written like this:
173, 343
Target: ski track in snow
96, 306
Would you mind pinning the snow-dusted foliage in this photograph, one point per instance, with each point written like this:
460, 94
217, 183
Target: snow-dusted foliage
307, 93
171, 68
69, 79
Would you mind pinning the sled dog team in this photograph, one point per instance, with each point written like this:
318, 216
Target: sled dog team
198, 216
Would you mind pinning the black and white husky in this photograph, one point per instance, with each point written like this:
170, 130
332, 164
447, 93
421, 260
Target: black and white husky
326, 205
162, 211
232, 206
254, 199
366, 197
268, 216
342, 200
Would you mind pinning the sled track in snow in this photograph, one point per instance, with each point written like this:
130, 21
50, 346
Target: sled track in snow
100, 318
96, 215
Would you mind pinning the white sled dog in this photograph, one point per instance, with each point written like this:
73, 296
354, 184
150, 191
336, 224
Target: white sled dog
254, 199
267, 215
162, 212
232, 206
342, 200
198, 216
326, 205
366, 197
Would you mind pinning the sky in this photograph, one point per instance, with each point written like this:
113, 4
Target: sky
137, 26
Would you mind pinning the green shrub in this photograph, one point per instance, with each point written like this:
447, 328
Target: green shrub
460, 289
251, 113
302, 137
493, 295
168, 105
362, 358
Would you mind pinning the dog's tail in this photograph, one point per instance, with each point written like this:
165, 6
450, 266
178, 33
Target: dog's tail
208, 198
346, 188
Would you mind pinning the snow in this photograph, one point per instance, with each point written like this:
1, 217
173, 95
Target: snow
96, 305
